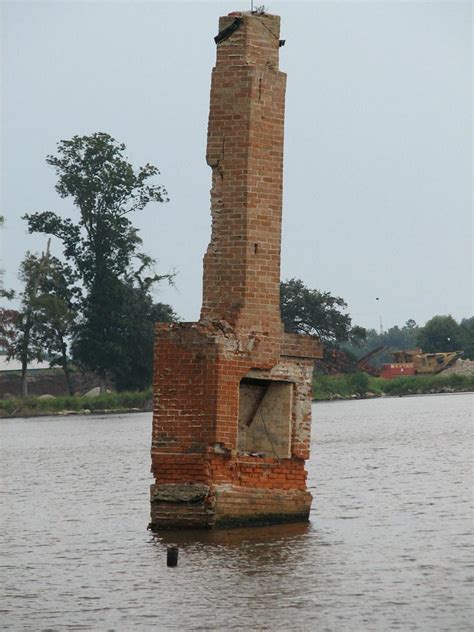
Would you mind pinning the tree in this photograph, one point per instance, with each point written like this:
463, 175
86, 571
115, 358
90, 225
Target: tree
8, 328
56, 311
24, 341
410, 325
467, 331
102, 246
140, 314
318, 313
137, 333
440, 333
394, 338
8, 317
44, 323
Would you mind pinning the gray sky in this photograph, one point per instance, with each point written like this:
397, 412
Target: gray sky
378, 149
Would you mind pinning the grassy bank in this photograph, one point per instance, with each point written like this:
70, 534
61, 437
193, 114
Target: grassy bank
355, 385
109, 402
325, 388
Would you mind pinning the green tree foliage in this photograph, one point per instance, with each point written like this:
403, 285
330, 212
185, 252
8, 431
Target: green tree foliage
24, 340
55, 313
93, 171
398, 337
312, 312
8, 317
441, 333
42, 326
103, 245
139, 313
467, 332
395, 338
8, 329
163, 313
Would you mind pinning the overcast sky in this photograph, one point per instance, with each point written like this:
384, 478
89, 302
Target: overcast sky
378, 147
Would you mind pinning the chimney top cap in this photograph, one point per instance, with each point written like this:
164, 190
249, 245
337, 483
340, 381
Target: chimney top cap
256, 12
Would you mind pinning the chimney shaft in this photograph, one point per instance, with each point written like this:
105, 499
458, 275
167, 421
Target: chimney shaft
245, 152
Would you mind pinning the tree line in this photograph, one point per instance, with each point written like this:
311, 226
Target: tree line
441, 333
93, 309
318, 313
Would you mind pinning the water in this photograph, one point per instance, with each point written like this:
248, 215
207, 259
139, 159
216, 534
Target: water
388, 546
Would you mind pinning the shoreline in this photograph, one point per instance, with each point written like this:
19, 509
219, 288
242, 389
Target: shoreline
71, 405
361, 386
75, 413
86, 412
385, 396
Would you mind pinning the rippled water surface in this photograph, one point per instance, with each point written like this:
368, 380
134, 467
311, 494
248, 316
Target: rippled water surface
388, 546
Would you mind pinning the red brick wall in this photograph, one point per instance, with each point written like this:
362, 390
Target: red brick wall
199, 366
185, 390
196, 408
258, 472
245, 152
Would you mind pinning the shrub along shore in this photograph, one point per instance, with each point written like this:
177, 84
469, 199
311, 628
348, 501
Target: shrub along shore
325, 388
135, 401
362, 386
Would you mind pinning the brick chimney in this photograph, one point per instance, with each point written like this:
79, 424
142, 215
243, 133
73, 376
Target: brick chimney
232, 393
245, 153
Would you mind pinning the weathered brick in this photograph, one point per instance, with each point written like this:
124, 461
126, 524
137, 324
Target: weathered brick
199, 433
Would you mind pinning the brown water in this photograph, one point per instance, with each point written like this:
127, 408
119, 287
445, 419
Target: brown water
388, 546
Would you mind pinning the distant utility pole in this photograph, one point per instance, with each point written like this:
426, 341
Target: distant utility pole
380, 318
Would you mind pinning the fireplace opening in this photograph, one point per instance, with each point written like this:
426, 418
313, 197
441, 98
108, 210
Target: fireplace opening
265, 417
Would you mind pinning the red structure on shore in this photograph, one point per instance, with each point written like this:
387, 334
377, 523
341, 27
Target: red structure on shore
232, 392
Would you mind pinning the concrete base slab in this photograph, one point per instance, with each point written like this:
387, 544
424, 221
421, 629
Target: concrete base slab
187, 507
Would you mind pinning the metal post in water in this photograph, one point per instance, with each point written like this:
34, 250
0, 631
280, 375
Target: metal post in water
172, 556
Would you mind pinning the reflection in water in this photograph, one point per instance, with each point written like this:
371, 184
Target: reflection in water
262, 548
388, 546
236, 537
